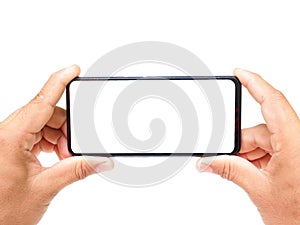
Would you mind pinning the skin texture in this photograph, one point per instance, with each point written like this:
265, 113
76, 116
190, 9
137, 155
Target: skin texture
26, 187
268, 165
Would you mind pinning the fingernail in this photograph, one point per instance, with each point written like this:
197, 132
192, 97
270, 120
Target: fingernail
104, 167
237, 71
204, 167
99, 164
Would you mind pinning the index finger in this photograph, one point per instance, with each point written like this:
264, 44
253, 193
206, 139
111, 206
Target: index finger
55, 86
33, 117
276, 110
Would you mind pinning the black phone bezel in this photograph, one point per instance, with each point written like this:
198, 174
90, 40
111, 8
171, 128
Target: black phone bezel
237, 135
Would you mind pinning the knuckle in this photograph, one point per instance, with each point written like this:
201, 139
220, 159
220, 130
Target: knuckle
254, 79
41, 99
245, 134
257, 76
277, 95
249, 134
261, 125
228, 171
81, 170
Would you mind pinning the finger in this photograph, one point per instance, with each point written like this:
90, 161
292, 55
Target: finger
55, 86
53, 141
62, 148
58, 118
262, 162
33, 117
70, 170
42, 146
36, 150
256, 137
276, 110
64, 129
254, 155
52, 135
46, 146
235, 169
29, 140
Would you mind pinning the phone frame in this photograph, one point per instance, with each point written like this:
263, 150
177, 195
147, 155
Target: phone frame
237, 132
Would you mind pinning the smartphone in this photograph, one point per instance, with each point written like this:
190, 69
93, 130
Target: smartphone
154, 116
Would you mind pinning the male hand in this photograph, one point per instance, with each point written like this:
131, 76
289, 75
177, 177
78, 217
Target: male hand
268, 166
26, 187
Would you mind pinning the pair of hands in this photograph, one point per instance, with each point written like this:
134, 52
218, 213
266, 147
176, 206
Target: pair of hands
266, 168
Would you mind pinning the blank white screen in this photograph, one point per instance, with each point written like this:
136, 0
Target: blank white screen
148, 108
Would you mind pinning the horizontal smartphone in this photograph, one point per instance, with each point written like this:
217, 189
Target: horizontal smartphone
154, 116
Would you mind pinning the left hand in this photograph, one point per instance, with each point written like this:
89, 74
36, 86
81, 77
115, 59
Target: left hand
26, 187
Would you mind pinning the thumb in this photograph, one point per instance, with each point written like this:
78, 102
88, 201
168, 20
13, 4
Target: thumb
72, 169
235, 169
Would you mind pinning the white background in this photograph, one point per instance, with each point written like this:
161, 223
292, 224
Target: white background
38, 38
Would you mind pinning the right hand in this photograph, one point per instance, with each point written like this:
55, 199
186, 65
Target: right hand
268, 165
